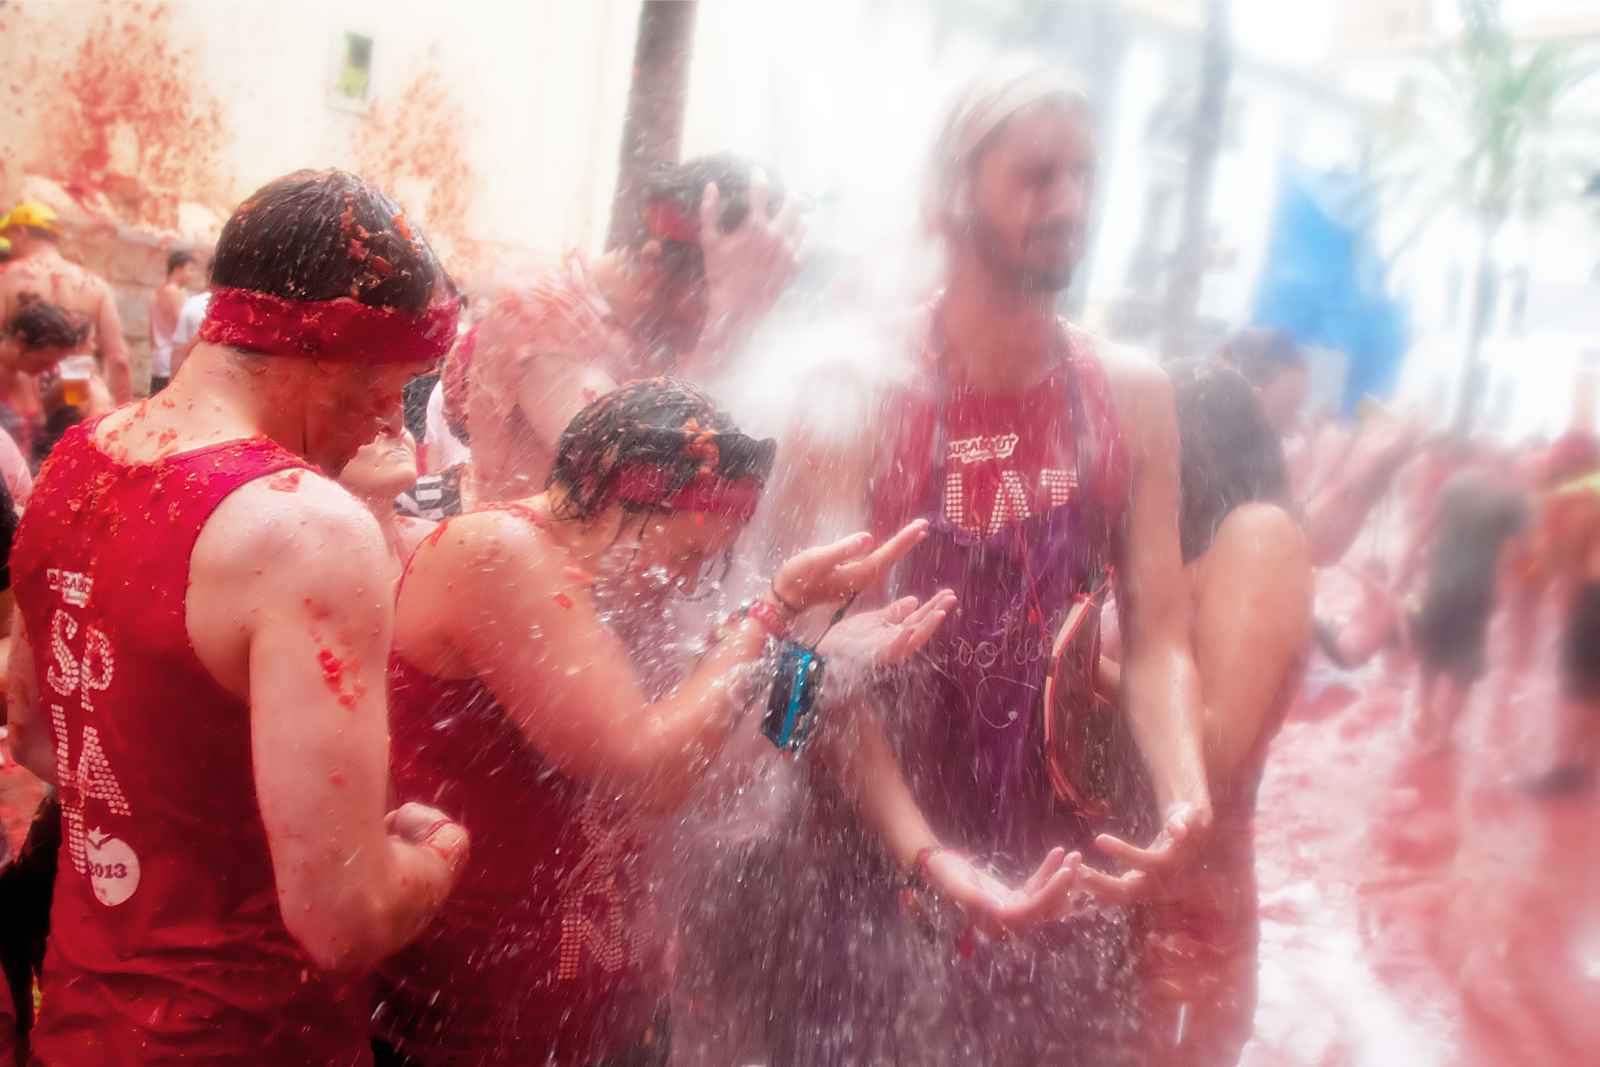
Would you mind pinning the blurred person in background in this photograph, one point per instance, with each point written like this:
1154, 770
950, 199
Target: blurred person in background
1338, 476
1480, 510
183, 274
40, 270
186, 332
1562, 567
714, 246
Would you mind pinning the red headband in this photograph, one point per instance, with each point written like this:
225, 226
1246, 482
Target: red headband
666, 219
341, 329
706, 492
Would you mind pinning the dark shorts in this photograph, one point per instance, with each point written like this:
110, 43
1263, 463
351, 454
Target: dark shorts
1580, 645
1450, 630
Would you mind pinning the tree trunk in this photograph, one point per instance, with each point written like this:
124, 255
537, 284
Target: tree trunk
652, 132
1483, 298
1188, 265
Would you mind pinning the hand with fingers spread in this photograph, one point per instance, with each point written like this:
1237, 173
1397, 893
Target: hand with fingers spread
1178, 841
890, 635
995, 907
748, 268
830, 574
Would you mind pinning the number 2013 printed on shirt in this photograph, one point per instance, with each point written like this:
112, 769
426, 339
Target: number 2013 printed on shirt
80, 670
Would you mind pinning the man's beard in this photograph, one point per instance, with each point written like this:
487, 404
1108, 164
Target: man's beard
1024, 278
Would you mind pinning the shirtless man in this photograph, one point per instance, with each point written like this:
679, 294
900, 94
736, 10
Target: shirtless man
201, 664
711, 255
41, 269
183, 272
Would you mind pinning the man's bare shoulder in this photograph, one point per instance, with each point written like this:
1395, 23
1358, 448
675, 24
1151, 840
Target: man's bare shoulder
1142, 395
293, 521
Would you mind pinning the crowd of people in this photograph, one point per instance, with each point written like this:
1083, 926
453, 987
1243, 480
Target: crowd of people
384, 662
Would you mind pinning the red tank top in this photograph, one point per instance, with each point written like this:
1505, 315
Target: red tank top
166, 944
538, 957
1003, 457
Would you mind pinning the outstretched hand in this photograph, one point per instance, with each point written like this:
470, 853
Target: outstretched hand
1173, 847
995, 907
832, 573
890, 635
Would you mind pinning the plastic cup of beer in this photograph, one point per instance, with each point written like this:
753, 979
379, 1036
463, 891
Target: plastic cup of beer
75, 374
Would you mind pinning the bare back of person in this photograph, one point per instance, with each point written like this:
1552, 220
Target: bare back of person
47, 275
50, 276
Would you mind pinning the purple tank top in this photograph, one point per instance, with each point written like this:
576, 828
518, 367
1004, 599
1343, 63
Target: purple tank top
1023, 498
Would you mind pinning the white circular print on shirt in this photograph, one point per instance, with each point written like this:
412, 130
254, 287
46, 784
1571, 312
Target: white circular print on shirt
113, 868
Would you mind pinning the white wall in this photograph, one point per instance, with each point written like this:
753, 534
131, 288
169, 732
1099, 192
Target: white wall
540, 88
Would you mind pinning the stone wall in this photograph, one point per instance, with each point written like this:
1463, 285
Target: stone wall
132, 259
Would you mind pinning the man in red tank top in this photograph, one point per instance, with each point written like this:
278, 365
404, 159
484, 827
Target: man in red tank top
200, 668
1040, 468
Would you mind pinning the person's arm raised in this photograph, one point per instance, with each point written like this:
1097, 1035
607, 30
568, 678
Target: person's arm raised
354, 884
528, 628
746, 270
1159, 679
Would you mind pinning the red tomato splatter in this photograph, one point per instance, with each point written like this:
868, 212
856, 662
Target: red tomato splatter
122, 114
332, 668
285, 481
563, 599
420, 135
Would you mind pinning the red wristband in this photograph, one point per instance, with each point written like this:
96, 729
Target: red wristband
769, 618
919, 866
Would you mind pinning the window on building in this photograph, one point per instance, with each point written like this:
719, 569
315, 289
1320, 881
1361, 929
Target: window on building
353, 84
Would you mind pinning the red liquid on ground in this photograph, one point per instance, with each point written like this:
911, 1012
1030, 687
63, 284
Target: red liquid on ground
1415, 910
1420, 910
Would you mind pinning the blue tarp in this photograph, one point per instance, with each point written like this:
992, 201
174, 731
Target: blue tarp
1323, 281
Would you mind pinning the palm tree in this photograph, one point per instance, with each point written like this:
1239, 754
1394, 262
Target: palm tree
1475, 138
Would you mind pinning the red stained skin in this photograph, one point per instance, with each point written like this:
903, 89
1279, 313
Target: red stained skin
285, 482
563, 599
332, 668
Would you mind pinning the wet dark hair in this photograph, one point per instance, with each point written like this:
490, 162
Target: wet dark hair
1261, 355
178, 259
321, 235
40, 324
1230, 455
685, 183
660, 422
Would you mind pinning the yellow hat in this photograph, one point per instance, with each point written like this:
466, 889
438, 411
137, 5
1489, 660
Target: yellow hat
5, 245
33, 214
